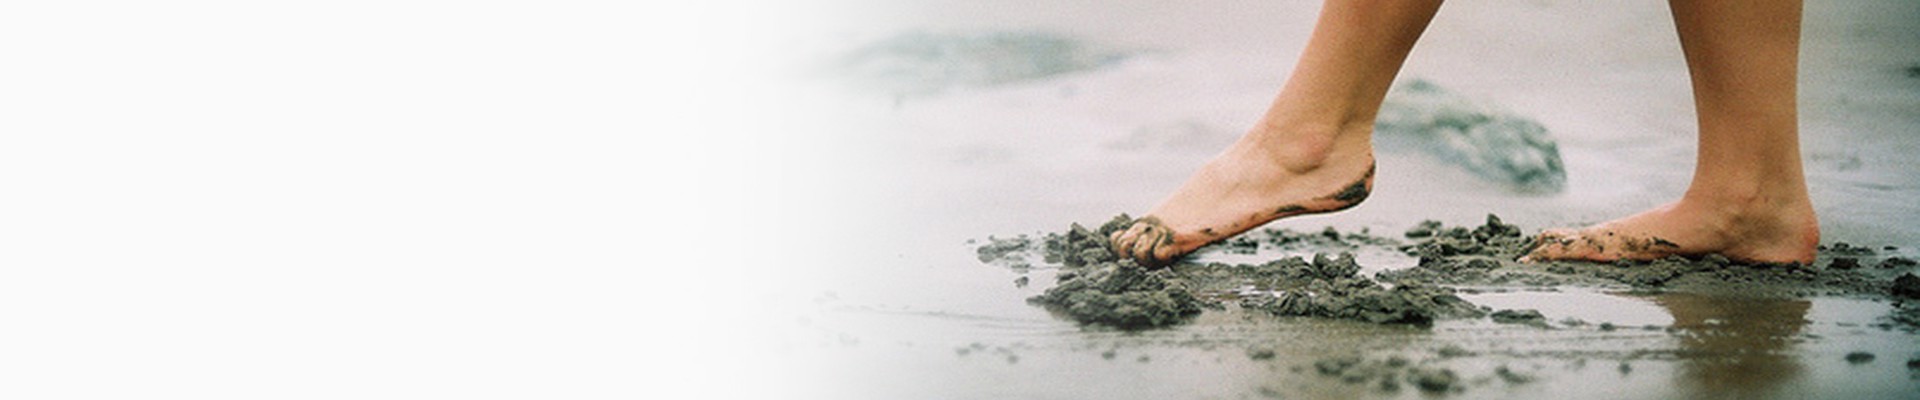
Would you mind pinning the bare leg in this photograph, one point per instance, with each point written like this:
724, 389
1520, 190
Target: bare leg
1748, 200
1313, 150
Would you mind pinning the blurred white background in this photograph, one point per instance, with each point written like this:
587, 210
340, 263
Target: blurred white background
375, 199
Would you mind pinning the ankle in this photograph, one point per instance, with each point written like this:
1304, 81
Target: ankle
1748, 199
1303, 147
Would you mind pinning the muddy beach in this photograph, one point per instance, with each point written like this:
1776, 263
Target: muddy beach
962, 253
1099, 291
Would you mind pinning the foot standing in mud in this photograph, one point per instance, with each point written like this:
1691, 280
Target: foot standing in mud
1748, 200
1312, 151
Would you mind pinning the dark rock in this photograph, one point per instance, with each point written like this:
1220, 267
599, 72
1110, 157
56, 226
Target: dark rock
1843, 263
1848, 249
1433, 380
1907, 286
1495, 229
1452, 351
1335, 365
1897, 262
1510, 376
1527, 316
1859, 357
1260, 353
1424, 229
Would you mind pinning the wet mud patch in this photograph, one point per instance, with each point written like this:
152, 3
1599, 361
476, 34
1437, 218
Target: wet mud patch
1486, 255
1121, 294
1346, 296
1097, 288
1429, 375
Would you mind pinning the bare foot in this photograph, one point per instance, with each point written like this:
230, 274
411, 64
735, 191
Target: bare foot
1261, 178
1748, 231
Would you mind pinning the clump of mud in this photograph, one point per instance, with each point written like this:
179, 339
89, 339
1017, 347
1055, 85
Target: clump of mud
1481, 255
1486, 254
1121, 294
1388, 374
1330, 288
1524, 317
1007, 252
1096, 287
1907, 286
1079, 246
1326, 239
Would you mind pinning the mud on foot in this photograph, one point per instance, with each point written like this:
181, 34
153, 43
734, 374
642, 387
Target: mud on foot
1783, 235
1212, 208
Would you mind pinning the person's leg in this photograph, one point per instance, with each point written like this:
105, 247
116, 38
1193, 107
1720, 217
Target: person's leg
1748, 200
1311, 153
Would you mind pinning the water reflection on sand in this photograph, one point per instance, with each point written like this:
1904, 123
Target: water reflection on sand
1734, 347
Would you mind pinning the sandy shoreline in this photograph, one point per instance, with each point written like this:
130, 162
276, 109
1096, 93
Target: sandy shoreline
911, 312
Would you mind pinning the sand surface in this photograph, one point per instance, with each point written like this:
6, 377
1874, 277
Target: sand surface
999, 119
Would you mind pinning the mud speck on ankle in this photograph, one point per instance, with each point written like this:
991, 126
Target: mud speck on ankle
1355, 192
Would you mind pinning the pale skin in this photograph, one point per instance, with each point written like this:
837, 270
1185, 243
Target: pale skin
1312, 151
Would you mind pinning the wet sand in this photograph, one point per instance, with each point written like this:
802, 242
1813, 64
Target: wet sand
1720, 310
886, 297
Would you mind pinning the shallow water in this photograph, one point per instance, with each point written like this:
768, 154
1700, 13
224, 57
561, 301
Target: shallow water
886, 194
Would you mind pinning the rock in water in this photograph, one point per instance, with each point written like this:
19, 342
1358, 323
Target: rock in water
1492, 143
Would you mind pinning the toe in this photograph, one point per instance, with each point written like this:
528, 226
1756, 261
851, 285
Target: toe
1124, 241
1143, 245
1166, 250
1549, 245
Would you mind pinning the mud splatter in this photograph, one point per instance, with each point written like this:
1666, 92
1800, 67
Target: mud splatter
1355, 192
998, 248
